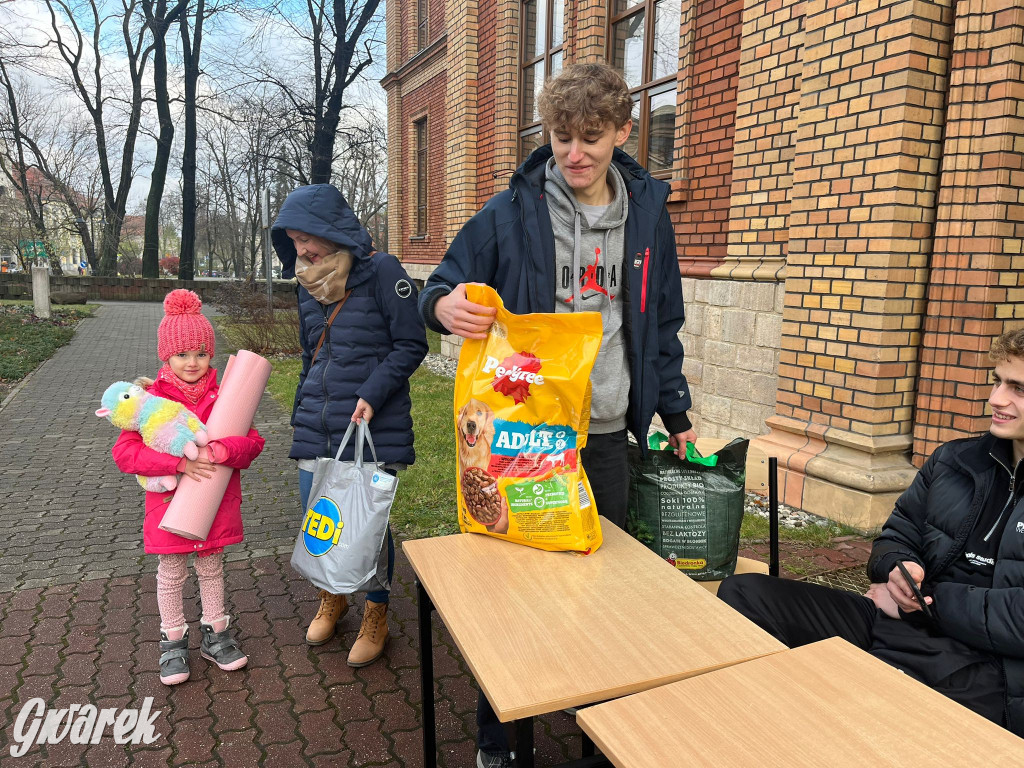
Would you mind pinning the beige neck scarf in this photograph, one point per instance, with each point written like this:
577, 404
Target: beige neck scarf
326, 279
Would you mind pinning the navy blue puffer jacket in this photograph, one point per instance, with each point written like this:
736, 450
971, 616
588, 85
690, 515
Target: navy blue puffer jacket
510, 246
374, 345
930, 525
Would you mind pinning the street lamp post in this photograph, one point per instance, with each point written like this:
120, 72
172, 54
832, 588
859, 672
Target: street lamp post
266, 250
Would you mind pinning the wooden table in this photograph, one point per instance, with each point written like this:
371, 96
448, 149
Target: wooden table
825, 704
542, 631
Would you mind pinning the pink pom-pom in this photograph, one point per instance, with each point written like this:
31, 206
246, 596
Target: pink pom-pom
182, 302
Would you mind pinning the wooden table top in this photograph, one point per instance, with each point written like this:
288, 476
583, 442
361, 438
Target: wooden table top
542, 631
825, 704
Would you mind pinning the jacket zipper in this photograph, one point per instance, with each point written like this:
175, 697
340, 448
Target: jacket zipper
1010, 502
1006, 695
529, 245
643, 284
642, 333
323, 381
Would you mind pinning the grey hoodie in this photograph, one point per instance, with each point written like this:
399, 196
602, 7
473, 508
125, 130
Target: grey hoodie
588, 277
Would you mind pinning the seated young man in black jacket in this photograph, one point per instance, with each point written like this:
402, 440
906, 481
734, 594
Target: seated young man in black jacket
959, 532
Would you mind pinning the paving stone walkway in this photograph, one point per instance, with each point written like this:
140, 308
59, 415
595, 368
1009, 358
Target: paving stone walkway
78, 613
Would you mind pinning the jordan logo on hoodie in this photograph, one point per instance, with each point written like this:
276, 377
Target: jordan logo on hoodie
592, 278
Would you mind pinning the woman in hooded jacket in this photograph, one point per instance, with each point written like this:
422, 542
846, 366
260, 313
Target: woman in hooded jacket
362, 338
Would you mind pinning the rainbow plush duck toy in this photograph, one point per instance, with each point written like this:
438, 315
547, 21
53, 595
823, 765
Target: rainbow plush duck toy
164, 425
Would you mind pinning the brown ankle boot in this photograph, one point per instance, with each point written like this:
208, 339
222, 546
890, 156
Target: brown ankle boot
332, 608
373, 635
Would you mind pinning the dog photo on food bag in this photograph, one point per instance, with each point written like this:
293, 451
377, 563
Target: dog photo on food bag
479, 487
476, 431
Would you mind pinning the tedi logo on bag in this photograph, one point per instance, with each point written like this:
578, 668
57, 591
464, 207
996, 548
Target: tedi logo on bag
322, 526
514, 375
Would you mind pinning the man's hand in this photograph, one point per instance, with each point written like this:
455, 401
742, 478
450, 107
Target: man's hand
879, 595
462, 317
679, 440
198, 469
901, 592
363, 411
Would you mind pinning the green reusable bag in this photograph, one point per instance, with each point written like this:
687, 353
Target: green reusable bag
689, 512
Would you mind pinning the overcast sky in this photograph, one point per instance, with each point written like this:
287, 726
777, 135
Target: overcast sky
226, 40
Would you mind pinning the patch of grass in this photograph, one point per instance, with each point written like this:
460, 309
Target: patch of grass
425, 503
281, 336
433, 342
755, 528
284, 379
26, 341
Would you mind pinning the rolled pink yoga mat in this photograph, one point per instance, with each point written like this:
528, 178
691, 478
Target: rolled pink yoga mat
195, 504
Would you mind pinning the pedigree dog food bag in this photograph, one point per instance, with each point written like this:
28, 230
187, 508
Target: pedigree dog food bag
522, 407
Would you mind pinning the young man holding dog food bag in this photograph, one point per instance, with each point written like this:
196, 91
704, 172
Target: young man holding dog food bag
582, 227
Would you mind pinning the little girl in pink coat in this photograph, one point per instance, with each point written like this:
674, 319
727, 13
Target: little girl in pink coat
185, 344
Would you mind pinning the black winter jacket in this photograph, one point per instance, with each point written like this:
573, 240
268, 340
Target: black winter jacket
510, 246
930, 525
374, 345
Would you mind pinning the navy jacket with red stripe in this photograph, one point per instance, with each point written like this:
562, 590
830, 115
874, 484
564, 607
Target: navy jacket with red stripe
509, 245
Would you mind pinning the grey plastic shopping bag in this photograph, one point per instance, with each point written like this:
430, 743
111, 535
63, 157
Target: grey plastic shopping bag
341, 546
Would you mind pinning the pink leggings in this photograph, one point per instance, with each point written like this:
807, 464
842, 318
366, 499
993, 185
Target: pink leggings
170, 581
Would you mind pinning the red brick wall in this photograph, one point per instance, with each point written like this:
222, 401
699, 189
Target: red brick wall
976, 285
702, 220
437, 22
410, 22
427, 100
486, 82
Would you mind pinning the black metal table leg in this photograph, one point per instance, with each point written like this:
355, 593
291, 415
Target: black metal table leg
588, 746
426, 609
524, 743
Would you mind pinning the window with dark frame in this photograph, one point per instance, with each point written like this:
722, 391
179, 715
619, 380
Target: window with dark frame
643, 43
422, 17
541, 35
421, 176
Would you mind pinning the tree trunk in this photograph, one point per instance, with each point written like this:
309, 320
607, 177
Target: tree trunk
191, 49
159, 23
322, 151
109, 242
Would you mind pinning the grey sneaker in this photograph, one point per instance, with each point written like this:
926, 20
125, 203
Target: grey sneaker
173, 659
221, 648
493, 759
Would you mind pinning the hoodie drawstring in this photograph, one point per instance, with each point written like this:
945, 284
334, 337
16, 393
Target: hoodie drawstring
576, 261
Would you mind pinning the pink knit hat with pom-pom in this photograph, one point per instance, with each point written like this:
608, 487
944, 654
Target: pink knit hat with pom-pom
183, 328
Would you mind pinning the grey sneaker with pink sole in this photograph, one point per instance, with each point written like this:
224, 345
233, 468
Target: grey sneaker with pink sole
173, 659
221, 648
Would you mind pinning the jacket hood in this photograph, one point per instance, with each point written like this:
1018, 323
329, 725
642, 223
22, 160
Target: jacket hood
321, 210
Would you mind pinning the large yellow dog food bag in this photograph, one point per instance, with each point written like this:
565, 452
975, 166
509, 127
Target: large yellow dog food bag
522, 408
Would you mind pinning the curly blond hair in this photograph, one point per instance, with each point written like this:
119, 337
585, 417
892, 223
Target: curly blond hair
585, 97
1009, 344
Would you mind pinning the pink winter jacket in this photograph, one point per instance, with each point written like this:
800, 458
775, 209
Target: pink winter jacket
132, 456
